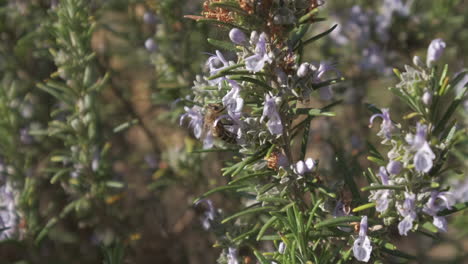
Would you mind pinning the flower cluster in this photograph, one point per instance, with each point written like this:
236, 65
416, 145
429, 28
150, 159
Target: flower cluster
412, 190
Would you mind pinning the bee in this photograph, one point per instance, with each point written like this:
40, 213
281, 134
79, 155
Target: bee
346, 198
213, 112
356, 226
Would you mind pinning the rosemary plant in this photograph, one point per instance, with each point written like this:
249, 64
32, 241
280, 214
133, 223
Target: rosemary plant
255, 102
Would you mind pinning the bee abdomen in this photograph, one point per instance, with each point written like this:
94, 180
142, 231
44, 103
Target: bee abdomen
224, 134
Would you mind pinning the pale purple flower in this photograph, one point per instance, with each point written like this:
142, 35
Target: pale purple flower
303, 167
382, 197
460, 190
383, 175
237, 36
408, 211
394, 167
303, 70
423, 159
325, 92
150, 45
434, 51
362, 248
233, 101
387, 127
197, 123
325, 67
274, 120
233, 257
196, 119
437, 202
256, 62
216, 63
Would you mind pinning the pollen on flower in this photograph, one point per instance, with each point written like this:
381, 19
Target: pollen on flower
276, 160
272, 161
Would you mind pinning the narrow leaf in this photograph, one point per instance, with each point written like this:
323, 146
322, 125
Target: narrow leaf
246, 212
337, 221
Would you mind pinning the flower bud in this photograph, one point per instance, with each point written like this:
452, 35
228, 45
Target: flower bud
303, 70
254, 37
427, 98
394, 167
149, 18
435, 50
300, 167
237, 36
281, 248
150, 45
76, 124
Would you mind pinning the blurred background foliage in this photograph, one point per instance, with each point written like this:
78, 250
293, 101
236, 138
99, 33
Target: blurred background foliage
91, 148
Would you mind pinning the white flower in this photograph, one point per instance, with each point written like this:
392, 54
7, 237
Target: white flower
302, 167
